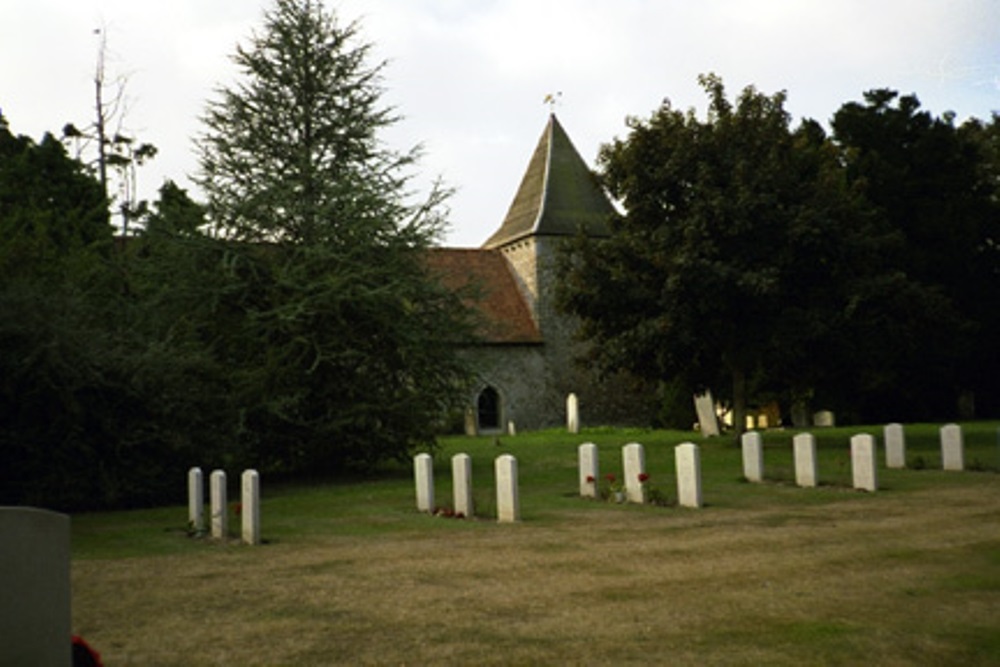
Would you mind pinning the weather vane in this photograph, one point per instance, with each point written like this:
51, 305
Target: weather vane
552, 99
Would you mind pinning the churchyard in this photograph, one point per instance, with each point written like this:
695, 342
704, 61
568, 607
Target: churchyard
764, 572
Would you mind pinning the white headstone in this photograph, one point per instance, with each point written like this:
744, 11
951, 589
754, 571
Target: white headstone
35, 593
895, 446
753, 456
687, 459
708, 422
196, 500
572, 414
804, 446
471, 429
589, 469
508, 503
634, 469
864, 462
511, 428
461, 479
250, 506
220, 513
423, 473
824, 419
952, 447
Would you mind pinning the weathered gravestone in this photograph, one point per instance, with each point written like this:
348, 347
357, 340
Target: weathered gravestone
423, 473
220, 513
508, 503
35, 594
895, 446
708, 422
804, 447
196, 500
753, 456
461, 479
634, 469
589, 469
250, 506
572, 414
864, 462
687, 460
952, 447
824, 419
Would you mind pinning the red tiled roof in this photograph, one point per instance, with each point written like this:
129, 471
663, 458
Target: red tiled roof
492, 291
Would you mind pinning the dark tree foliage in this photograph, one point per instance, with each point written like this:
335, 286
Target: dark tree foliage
336, 335
734, 259
931, 183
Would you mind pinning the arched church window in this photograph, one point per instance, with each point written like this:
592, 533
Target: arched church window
488, 406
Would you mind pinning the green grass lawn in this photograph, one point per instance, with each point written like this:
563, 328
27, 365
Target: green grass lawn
763, 574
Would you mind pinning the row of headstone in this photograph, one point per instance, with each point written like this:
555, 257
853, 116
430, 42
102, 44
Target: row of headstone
505, 472
687, 460
219, 512
864, 464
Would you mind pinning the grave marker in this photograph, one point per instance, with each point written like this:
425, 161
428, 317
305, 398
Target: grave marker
824, 419
423, 472
589, 469
508, 503
952, 447
220, 513
895, 446
864, 462
708, 422
35, 603
461, 477
250, 506
196, 500
753, 456
687, 459
572, 414
804, 446
634, 465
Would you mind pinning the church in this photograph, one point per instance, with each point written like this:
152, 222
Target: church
525, 357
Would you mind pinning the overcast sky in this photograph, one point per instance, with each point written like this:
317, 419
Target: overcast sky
470, 76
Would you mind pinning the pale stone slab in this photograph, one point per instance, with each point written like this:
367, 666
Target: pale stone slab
687, 459
753, 456
572, 414
250, 506
196, 500
511, 428
952, 447
36, 598
864, 462
220, 513
895, 446
804, 446
633, 467
708, 421
471, 429
824, 419
461, 478
589, 469
423, 473
508, 502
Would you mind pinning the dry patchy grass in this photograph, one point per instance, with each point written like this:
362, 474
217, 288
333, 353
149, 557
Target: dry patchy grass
889, 579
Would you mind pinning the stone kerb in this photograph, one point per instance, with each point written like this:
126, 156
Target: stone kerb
589, 469
804, 449
952, 447
687, 459
35, 603
895, 446
753, 456
461, 475
508, 503
196, 500
220, 513
634, 469
423, 473
864, 464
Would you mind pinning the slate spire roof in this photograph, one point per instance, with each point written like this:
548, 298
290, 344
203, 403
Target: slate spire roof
558, 194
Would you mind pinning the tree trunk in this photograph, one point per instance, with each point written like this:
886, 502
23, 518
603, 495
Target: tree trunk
739, 402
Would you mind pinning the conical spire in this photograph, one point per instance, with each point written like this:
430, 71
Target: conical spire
558, 194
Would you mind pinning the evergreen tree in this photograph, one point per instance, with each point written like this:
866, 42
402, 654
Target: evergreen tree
337, 332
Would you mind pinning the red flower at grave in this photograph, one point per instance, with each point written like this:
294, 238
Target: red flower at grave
237, 508
610, 477
590, 479
643, 478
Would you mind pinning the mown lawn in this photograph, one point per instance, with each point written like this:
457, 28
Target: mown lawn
763, 574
